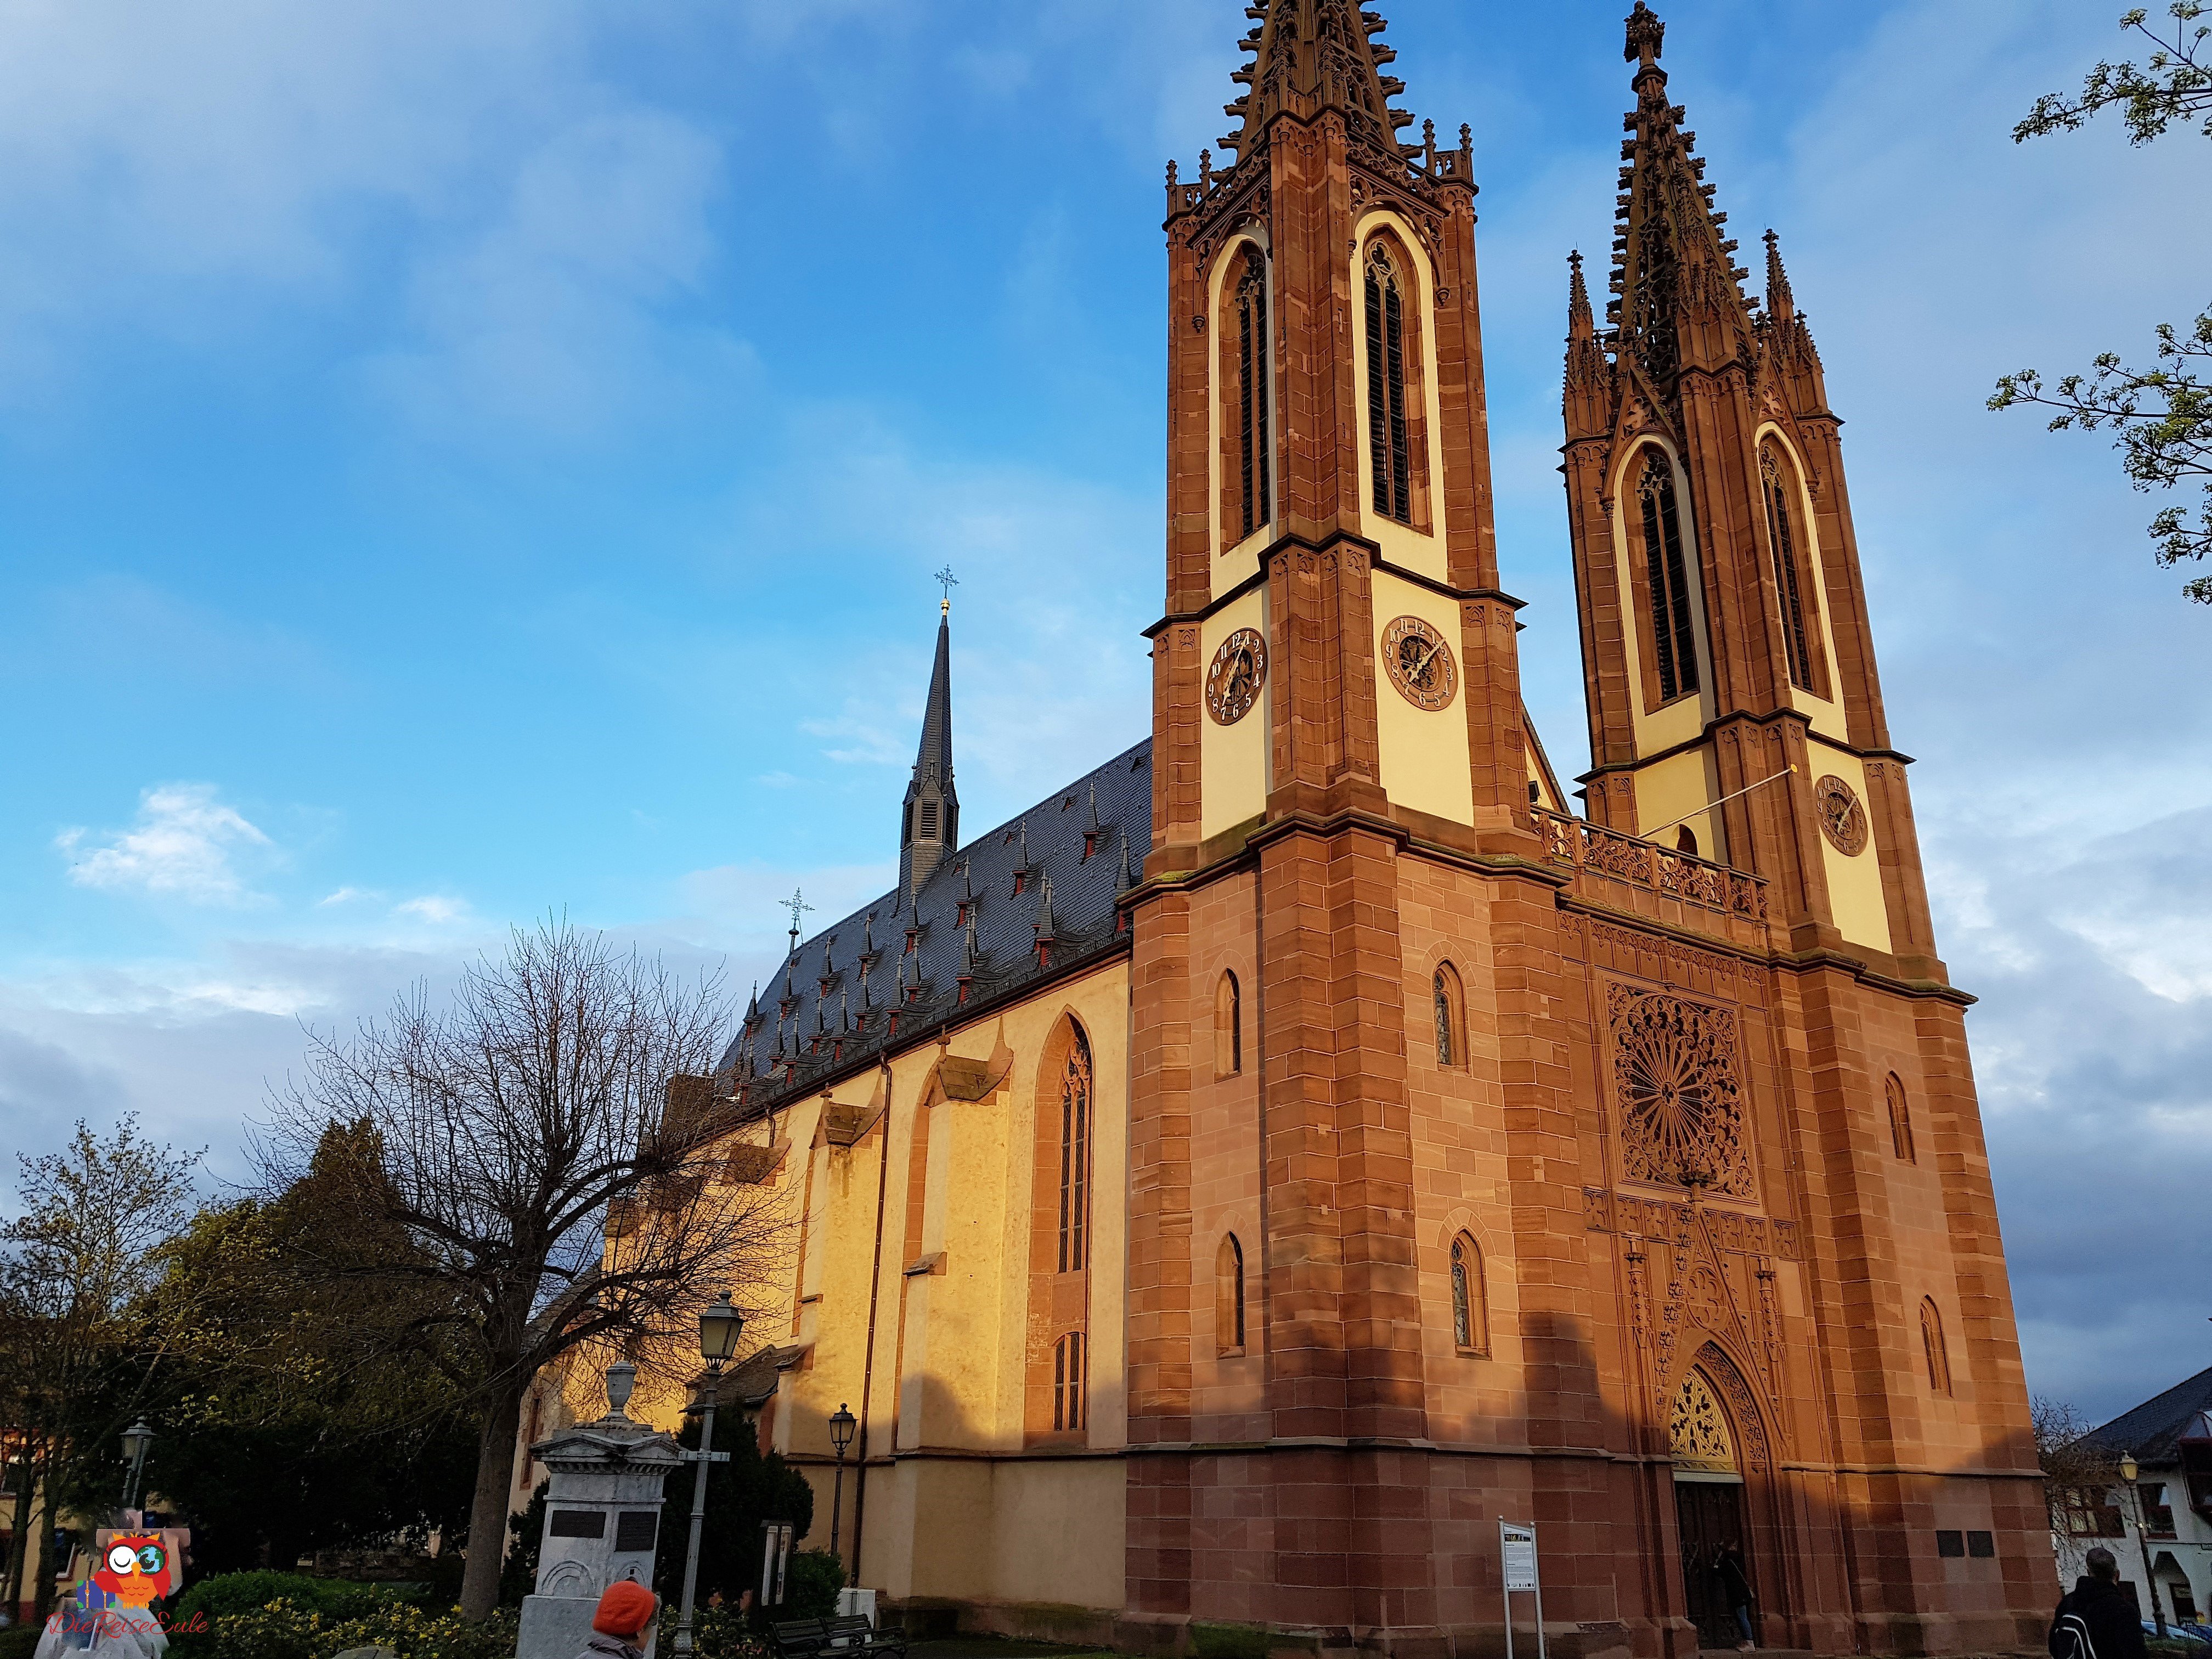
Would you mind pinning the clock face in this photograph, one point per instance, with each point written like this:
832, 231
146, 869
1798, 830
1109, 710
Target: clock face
1842, 819
1239, 674
1420, 662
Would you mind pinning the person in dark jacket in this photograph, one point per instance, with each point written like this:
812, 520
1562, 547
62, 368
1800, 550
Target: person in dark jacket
1734, 1581
2115, 1626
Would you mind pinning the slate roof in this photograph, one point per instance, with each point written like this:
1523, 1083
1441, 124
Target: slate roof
821, 1018
2152, 1431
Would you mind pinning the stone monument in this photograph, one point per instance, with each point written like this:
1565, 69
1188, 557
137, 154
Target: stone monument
602, 1520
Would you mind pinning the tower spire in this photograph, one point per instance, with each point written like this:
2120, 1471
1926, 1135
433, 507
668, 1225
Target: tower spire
1678, 304
1588, 388
1312, 55
929, 820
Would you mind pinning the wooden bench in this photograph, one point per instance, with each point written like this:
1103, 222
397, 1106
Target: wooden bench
846, 1638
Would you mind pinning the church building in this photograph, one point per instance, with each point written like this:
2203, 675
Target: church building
1232, 1187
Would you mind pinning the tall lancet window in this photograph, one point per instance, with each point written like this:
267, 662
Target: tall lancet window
1667, 575
1791, 583
1255, 448
1389, 443
1075, 1156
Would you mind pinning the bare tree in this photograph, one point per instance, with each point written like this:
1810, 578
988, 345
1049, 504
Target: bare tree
82, 1255
533, 1164
2075, 1469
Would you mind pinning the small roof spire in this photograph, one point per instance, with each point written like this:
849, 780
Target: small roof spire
1581, 324
752, 1009
1045, 922
1781, 303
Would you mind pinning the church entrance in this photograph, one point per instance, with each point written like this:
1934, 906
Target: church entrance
1709, 1512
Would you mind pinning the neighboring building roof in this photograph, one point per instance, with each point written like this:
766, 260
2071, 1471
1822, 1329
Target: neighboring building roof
2152, 1431
825, 1018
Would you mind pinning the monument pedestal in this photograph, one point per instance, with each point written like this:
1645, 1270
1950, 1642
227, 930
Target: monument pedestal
602, 1498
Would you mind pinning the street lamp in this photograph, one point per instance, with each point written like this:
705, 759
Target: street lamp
718, 1326
2129, 1470
840, 1435
136, 1440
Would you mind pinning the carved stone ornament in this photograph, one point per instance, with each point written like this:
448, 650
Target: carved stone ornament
1420, 663
1677, 1094
1842, 819
1237, 676
1697, 1430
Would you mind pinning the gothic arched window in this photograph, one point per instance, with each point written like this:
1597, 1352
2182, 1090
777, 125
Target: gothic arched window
1932, 1346
1667, 580
1450, 1007
1390, 439
1229, 1297
1901, 1120
1075, 1155
1254, 446
1228, 1027
1068, 1378
1470, 1309
1792, 582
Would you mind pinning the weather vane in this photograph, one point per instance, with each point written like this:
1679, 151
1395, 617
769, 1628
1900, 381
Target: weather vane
948, 581
796, 904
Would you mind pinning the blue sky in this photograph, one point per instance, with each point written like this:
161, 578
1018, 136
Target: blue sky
456, 462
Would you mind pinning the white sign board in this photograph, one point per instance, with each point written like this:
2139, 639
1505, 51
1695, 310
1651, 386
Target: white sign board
1516, 1555
1518, 1546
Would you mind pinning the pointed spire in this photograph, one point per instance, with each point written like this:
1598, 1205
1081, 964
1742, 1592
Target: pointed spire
753, 1011
966, 976
1043, 924
1587, 392
1678, 302
1781, 303
1312, 55
929, 820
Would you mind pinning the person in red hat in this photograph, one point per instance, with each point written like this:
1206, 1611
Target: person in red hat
626, 1609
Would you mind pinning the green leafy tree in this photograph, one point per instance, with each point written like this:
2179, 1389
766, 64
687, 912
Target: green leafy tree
741, 1494
2160, 417
292, 1420
77, 1267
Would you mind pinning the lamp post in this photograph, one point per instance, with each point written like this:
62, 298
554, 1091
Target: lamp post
840, 1437
2129, 1470
718, 1326
136, 1440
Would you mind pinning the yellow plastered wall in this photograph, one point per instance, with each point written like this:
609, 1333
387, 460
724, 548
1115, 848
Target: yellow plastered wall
1401, 543
1683, 719
1233, 759
944, 1404
1424, 751
1854, 883
1686, 783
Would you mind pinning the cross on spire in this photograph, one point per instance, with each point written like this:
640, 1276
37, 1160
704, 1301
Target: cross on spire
948, 581
797, 905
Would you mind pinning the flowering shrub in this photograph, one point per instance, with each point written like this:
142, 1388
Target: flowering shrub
281, 1631
717, 1633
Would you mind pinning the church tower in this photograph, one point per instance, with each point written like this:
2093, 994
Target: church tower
1341, 941
1734, 708
929, 818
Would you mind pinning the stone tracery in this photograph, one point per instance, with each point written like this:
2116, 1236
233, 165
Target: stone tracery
1676, 1092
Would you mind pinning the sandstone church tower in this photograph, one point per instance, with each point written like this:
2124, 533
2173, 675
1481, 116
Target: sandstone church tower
1228, 1189
1575, 1176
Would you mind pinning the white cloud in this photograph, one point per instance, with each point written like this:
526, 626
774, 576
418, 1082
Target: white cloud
182, 846
349, 895
433, 909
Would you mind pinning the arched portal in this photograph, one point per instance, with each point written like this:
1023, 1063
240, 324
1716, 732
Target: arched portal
1710, 1453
